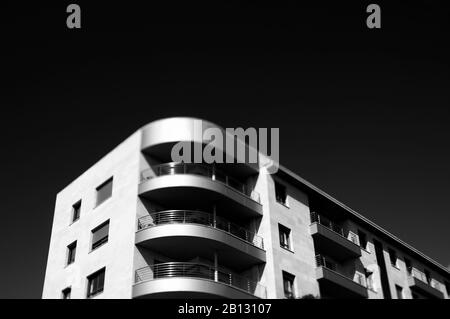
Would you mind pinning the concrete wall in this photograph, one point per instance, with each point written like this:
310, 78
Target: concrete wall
116, 255
299, 262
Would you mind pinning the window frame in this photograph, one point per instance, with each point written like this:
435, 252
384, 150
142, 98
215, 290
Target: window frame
408, 266
277, 186
283, 230
103, 240
76, 208
289, 278
399, 292
90, 280
428, 276
362, 234
393, 253
71, 253
101, 186
64, 293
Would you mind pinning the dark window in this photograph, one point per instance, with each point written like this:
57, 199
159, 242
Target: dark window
71, 251
96, 282
428, 276
76, 209
104, 191
66, 293
288, 285
100, 235
415, 296
280, 193
408, 266
399, 291
393, 257
285, 240
369, 279
362, 239
447, 287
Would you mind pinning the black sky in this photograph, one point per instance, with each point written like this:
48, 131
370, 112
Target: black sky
363, 114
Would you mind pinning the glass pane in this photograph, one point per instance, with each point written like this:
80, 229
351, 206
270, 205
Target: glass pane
100, 233
104, 191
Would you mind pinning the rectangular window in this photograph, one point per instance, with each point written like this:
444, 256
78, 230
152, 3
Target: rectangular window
280, 193
66, 293
360, 279
100, 235
428, 276
288, 285
393, 257
285, 240
399, 291
362, 240
76, 209
71, 251
447, 287
408, 266
369, 280
104, 191
96, 283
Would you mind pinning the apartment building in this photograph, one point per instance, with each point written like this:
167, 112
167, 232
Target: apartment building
137, 225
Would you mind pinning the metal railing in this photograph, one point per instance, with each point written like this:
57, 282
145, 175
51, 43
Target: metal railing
202, 218
322, 261
416, 273
316, 218
209, 171
198, 270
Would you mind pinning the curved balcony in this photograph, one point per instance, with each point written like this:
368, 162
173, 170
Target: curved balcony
160, 136
200, 218
193, 280
180, 234
191, 184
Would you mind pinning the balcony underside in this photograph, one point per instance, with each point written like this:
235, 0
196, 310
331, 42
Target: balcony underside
198, 192
183, 241
334, 285
423, 288
188, 288
333, 244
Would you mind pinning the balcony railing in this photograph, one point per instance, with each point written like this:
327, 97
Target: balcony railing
416, 273
203, 170
197, 270
201, 218
322, 261
316, 218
